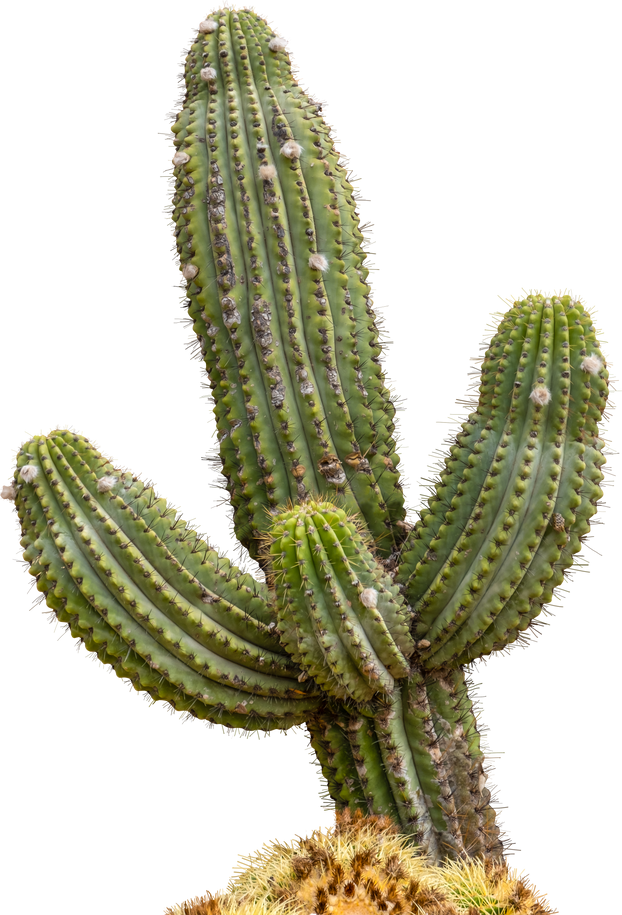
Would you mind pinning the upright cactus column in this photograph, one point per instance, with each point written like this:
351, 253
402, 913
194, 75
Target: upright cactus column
268, 239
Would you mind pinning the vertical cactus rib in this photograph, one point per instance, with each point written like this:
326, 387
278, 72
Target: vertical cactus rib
320, 191
337, 761
459, 762
195, 250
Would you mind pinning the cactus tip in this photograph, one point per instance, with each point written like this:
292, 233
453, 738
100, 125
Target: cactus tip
8, 492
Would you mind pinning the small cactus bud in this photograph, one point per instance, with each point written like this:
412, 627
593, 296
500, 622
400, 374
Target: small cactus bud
541, 395
277, 44
267, 172
106, 484
189, 271
208, 26
8, 492
318, 262
180, 158
592, 364
208, 73
29, 473
291, 150
369, 598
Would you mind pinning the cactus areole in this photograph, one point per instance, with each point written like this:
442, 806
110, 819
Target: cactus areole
366, 624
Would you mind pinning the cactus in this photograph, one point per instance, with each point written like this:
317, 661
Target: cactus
363, 865
366, 624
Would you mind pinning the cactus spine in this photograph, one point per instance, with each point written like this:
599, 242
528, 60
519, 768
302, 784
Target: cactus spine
366, 625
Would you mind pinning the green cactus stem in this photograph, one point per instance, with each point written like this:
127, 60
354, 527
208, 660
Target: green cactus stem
417, 759
518, 488
270, 246
140, 587
340, 615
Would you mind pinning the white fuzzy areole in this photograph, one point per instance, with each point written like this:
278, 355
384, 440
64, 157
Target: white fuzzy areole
29, 472
267, 172
318, 262
277, 44
106, 484
291, 149
180, 158
592, 364
369, 598
8, 493
189, 271
208, 73
541, 395
208, 26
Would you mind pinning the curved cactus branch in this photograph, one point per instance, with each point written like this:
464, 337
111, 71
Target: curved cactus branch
145, 592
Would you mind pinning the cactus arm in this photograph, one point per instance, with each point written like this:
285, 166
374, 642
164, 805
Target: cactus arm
494, 465
327, 658
340, 615
101, 569
513, 505
382, 626
509, 549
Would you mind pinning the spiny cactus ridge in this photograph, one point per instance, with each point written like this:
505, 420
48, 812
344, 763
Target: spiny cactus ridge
365, 624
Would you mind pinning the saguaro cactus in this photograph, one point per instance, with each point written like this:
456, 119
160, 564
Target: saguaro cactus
366, 624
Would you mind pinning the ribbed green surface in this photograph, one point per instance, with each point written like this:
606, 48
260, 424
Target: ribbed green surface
147, 594
417, 759
292, 351
339, 614
517, 491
